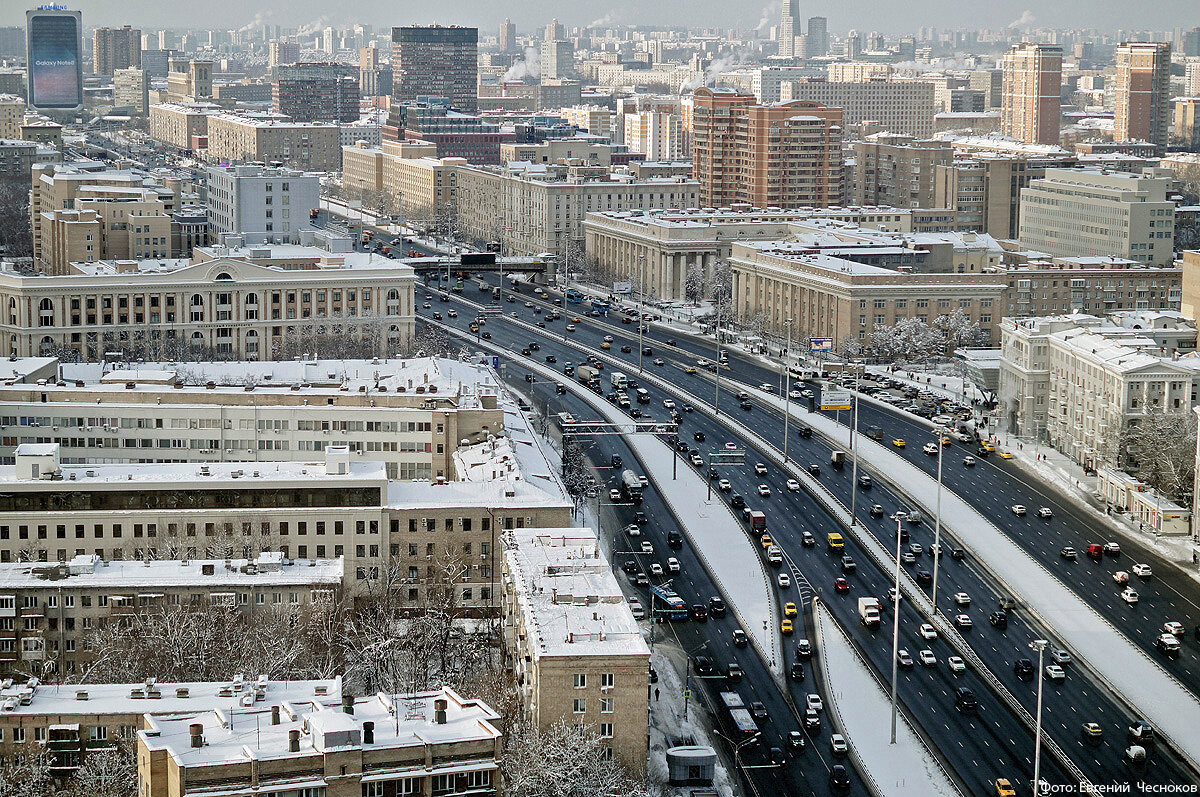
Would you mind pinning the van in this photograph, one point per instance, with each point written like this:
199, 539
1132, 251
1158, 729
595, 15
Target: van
1095, 551
643, 396
874, 432
636, 609
835, 541
775, 556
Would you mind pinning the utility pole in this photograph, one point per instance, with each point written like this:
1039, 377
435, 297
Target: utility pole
854, 456
895, 627
1040, 646
787, 386
937, 522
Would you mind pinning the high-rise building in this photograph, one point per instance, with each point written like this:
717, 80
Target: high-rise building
316, 92
283, 52
555, 30
1190, 47
115, 48
897, 171
374, 77
508, 36
789, 28
558, 58
1032, 88
786, 155
903, 107
131, 89
1143, 93
436, 62
818, 37
1191, 80
1186, 128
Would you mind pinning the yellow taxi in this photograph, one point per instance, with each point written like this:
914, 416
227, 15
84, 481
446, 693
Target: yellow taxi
1005, 455
766, 541
988, 447
945, 441
691, 369
785, 628
789, 609
575, 320
606, 345
899, 442
1004, 788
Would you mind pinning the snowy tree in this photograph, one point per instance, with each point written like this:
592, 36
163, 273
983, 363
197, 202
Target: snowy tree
907, 339
1160, 449
574, 471
563, 760
108, 772
26, 773
958, 330
694, 283
430, 341
850, 348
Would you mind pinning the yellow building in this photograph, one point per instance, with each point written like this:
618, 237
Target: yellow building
266, 138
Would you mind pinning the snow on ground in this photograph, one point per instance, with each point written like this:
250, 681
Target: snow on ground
1127, 670
859, 707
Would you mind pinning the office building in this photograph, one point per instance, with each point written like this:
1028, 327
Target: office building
818, 37
454, 134
578, 653
312, 92
786, 155
558, 59
508, 36
282, 52
131, 89
260, 199
1143, 93
858, 72
897, 171
1091, 211
262, 138
1032, 88
1186, 127
183, 126
905, 108
991, 83
435, 62
115, 48
789, 28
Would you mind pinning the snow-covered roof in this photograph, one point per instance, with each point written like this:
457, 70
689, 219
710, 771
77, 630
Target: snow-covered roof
570, 602
89, 571
195, 475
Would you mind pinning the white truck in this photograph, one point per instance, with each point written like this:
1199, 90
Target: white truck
868, 612
618, 380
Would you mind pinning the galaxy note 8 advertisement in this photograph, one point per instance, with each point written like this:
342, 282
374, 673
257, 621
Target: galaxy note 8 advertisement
55, 73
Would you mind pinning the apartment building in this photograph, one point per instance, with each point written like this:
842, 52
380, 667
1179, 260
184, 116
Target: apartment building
1143, 93
541, 207
17, 157
1032, 88
578, 653
12, 113
407, 171
1049, 286
986, 188
49, 609
1096, 212
786, 155
901, 107
131, 89
656, 134
436, 62
182, 125
594, 119
315, 92
1185, 129
115, 48
310, 146
857, 72
254, 199
898, 171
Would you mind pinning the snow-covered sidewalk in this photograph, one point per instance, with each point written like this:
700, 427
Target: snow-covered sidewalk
858, 706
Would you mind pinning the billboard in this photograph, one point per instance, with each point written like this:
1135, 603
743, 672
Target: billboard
820, 344
54, 45
835, 399
622, 288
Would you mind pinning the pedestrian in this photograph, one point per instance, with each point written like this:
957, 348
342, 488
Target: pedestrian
656, 694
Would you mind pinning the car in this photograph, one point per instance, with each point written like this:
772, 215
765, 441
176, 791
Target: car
839, 778
1142, 571
812, 720
696, 460
963, 622
724, 486
807, 539
803, 649
926, 658
765, 541
1112, 548
672, 564
998, 620
1140, 732
1068, 553
642, 580
899, 442
731, 446
576, 319
1173, 628
841, 585
452, 313
1003, 788
737, 502
606, 346
806, 393
1006, 602
668, 404
784, 581
486, 335
924, 578
760, 468
907, 558
796, 672
776, 757
656, 569
1130, 596
988, 447
746, 405
1092, 731
626, 350
614, 495
903, 659
789, 609
647, 547
814, 702
764, 491
916, 549
927, 632
962, 599
703, 665
633, 530
983, 452
837, 744
1055, 673
739, 638
864, 481
699, 613
1060, 657
969, 461
1005, 455
958, 554
716, 606
570, 327
1018, 510
814, 469
794, 394
956, 664
964, 700
698, 437
786, 628
805, 432
930, 448
660, 362
1045, 513
848, 565
795, 740
1121, 577
1168, 644
688, 408
1024, 669
636, 609
793, 485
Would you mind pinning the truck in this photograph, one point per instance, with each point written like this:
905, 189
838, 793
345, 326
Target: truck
837, 459
588, 375
758, 521
618, 380
868, 612
631, 486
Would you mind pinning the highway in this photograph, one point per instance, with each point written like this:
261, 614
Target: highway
993, 745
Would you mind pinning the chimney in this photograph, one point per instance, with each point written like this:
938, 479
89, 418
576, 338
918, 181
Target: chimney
439, 711
368, 733
197, 733
347, 704
274, 715
294, 741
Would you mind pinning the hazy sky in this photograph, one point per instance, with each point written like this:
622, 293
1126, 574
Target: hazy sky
865, 15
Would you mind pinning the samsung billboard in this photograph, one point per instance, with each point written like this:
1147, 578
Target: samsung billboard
54, 48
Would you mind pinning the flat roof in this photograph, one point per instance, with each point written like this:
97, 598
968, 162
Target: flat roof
196, 475
89, 571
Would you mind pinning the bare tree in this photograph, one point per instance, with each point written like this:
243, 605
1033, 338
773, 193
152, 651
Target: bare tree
16, 238
563, 760
1160, 449
25, 772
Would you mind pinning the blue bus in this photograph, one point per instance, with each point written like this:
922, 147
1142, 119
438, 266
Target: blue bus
574, 296
600, 306
742, 724
667, 604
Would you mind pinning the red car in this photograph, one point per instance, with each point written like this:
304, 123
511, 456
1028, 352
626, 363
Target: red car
841, 585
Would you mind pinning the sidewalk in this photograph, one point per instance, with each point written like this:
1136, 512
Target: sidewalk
858, 706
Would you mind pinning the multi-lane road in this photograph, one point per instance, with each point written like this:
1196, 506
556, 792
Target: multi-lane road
980, 748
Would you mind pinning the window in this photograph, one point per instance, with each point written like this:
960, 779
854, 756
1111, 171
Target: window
606, 730
607, 680
579, 680
606, 705
579, 705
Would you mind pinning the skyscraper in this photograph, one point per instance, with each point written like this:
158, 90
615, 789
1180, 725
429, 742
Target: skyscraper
508, 36
558, 59
316, 92
1032, 88
436, 62
1143, 93
818, 37
115, 48
555, 30
789, 28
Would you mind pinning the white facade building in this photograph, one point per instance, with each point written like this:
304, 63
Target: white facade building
261, 199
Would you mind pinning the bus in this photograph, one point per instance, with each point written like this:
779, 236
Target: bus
574, 296
600, 306
741, 723
667, 604
631, 486
803, 373
458, 285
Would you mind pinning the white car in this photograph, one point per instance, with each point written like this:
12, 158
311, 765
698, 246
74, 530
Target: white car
1045, 513
668, 404
760, 468
793, 485
1112, 548
927, 632
963, 622
1142, 571
1060, 657
785, 581
764, 491
1130, 596
969, 461
731, 446
528, 304
1121, 577
614, 495
956, 664
814, 702
930, 448
608, 338
927, 658
806, 393
837, 743
962, 599
1055, 673
647, 546
656, 569
794, 395
673, 564
724, 485
452, 313
633, 530
1018, 510
570, 327
764, 387
1173, 628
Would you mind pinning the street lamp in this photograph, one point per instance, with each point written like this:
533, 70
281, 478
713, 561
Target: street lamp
854, 454
641, 307
787, 385
899, 517
939, 431
1040, 646
687, 678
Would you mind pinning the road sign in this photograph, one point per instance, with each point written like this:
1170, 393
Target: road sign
835, 399
687, 693
622, 287
820, 344
495, 361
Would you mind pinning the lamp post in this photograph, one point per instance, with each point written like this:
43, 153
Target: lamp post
687, 678
641, 307
899, 516
787, 386
717, 364
1040, 646
854, 455
937, 522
